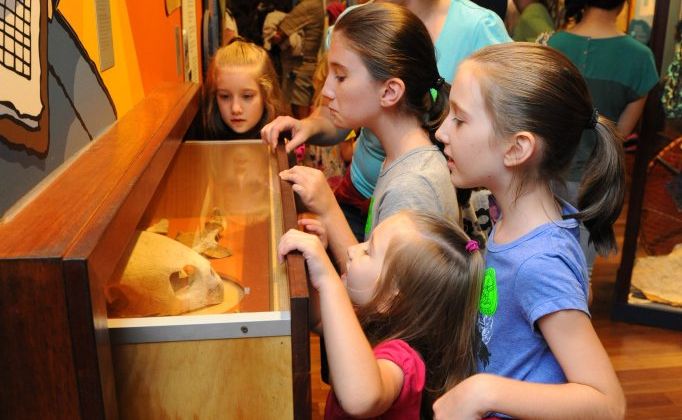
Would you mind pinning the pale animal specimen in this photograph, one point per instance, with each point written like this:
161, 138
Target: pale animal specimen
163, 277
206, 241
159, 227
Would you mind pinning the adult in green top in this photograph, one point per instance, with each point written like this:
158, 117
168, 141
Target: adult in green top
619, 70
533, 21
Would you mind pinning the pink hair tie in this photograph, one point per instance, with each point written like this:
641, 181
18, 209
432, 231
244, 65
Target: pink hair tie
471, 246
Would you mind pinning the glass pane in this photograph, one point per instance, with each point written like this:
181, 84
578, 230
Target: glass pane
211, 223
656, 276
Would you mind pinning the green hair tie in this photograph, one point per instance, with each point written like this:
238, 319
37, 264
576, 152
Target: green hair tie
434, 90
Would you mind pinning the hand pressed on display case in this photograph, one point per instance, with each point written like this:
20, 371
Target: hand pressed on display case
312, 187
320, 267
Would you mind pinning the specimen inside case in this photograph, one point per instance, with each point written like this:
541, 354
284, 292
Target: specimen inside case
206, 242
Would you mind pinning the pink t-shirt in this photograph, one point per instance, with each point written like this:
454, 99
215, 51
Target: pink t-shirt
407, 405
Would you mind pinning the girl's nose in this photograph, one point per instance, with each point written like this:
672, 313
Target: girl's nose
236, 107
327, 90
352, 251
440, 135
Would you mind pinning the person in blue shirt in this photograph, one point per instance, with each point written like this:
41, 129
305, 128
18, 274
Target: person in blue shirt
520, 109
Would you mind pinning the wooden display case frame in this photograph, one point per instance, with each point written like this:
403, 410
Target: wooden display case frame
58, 252
654, 136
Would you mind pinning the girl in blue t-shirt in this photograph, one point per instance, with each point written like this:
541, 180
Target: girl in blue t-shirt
400, 325
516, 116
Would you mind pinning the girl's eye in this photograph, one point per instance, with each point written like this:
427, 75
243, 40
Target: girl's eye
456, 119
339, 78
248, 96
223, 97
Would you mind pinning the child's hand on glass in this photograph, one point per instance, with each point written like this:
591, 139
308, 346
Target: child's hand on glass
320, 268
311, 186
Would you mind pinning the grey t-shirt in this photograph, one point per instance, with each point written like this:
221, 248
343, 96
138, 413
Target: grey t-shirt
418, 180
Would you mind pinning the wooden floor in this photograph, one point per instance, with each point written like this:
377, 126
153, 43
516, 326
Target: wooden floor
648, 360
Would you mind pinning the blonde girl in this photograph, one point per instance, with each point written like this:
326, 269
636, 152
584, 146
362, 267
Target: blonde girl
415, 286
516, 118
241, 92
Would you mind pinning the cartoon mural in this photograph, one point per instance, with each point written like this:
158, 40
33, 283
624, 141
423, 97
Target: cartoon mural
23, 51
79, 101
79, 105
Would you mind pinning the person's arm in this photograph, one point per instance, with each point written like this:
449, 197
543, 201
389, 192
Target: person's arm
316, 129
592, 391
339, 235
630, 115
363, 385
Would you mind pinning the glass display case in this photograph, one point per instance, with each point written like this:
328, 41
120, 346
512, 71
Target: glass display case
213, 224
142, 281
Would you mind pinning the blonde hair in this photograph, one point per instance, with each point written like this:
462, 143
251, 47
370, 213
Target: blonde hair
530, 87
436, 308
240, 52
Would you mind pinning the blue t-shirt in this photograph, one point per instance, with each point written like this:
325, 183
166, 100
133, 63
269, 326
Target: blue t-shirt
467, 28
540, 273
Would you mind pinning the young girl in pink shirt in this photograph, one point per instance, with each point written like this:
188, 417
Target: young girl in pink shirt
400, 325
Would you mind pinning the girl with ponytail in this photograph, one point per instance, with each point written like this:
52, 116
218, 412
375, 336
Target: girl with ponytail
383, 76
521, 109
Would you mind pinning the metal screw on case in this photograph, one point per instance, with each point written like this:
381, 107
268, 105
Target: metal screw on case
245, 329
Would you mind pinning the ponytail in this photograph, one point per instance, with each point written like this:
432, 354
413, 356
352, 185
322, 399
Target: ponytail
602, 188
436, 105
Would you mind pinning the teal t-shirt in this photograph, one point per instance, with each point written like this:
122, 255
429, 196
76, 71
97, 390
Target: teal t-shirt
467, 28
618, 71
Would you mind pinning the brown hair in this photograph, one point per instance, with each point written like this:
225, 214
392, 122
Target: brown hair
529, 87
240, 52
574, 8
436, 307
393, 42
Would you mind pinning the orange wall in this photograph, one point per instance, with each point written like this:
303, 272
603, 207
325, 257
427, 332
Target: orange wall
144, 45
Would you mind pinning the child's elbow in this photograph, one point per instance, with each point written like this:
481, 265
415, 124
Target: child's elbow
618, 408
364, 406
617, 405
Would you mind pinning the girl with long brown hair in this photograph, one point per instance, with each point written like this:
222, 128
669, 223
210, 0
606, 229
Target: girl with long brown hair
383, 75
520, 110
400, 325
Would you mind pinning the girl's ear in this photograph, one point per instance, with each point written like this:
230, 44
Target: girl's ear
392, 90
520, 149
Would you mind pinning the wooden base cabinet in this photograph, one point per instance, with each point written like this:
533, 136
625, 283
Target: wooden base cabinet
63, 356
